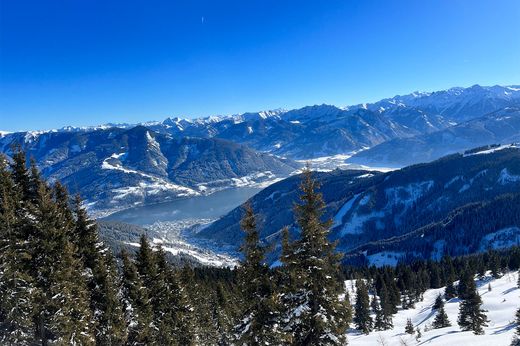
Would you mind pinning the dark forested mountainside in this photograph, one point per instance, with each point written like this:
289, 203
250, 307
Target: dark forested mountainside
475, 227
369, 206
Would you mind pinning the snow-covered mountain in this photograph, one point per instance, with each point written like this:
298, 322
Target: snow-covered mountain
119, 165
325, 130
117, 168
502, 126
413, 210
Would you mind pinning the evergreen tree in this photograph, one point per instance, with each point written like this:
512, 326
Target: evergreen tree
62, 303
438, 303
138, 309
362, 317
315, 314
516, 338
386, 308
450, 291
441, 319
16, 285
260, 322
471, 316
409, 329
172, 312
376, 309
103, 280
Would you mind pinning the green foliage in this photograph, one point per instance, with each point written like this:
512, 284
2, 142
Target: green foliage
441, 319
362, 318
471, 316
313, 310
409, 328
261, 320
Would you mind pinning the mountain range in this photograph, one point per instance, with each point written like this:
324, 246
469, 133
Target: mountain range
116, 166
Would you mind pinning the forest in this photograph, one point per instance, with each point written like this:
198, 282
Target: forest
61, 285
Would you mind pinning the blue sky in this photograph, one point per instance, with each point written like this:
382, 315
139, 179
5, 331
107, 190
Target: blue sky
86, 62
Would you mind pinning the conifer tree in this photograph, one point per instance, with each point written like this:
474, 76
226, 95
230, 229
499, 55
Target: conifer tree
138, 309
362, 317
409, 329
450, 291
471, 316
16, 285
438, 302
315, 313
441, 319
172, 312
103, 282
386, 308
62, 303
261, 317
20, 175
376, 309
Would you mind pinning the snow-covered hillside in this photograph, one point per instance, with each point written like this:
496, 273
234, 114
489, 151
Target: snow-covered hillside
501, 304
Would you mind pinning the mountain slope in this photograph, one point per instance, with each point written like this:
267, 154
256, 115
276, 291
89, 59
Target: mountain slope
117, 168
501, 126
368, 206
500, 304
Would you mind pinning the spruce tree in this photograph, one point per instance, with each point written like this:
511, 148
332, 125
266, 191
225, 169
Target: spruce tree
138, 308
438, 303
172, 311
315, 313
450, 291
62, 303
362, 318
441, 319
386, 308
261, 316
471, 316
409, 329
16, 285
103, 281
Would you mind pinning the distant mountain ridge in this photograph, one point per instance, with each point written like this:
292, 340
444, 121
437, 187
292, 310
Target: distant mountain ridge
502, 126
325, 130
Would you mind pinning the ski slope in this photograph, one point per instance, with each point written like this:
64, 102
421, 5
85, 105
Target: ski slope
501, 304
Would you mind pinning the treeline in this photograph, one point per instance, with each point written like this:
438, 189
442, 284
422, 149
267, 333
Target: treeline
401, 287
60, 285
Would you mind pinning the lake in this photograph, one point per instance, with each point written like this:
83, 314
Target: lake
201, 207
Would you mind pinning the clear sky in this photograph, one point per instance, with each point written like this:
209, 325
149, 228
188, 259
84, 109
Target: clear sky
86, 62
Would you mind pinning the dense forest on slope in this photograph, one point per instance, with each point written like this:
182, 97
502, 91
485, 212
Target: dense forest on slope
369, 207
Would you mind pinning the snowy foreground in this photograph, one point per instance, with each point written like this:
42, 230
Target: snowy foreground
501, 305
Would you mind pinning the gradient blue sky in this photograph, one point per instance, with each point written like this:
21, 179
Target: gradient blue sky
86, 62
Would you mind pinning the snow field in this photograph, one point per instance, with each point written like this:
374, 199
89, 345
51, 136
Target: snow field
501, 304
